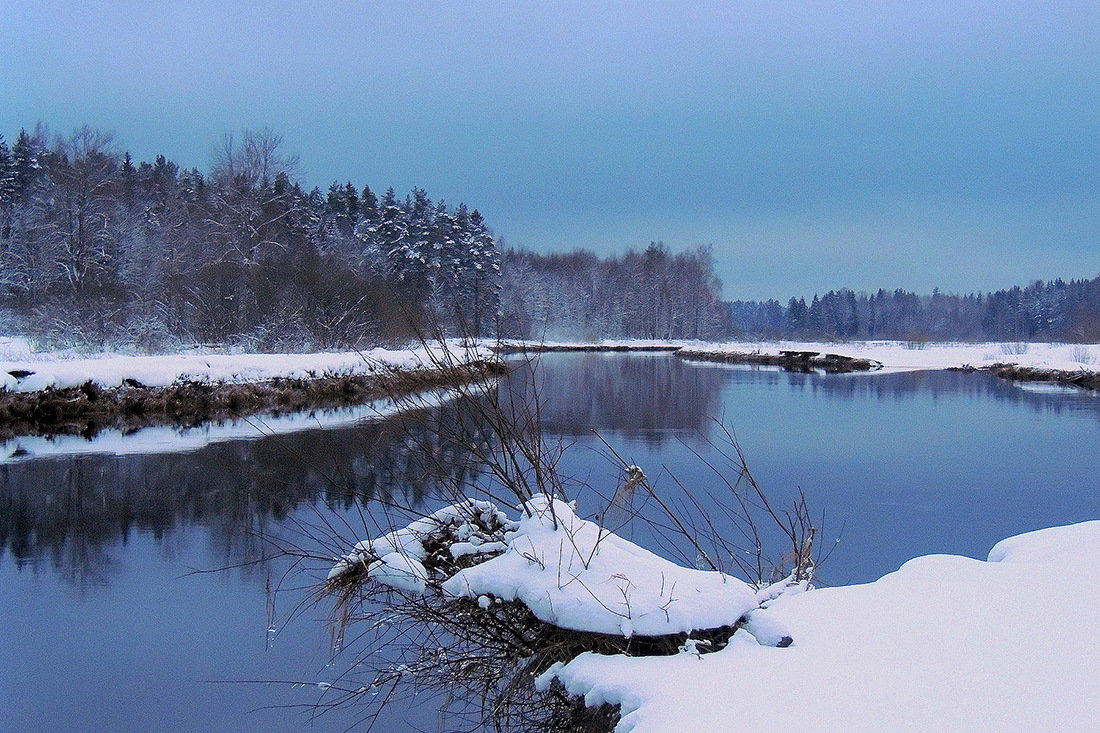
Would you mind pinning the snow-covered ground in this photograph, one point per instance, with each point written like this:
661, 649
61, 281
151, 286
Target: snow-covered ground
894, 355
944, 643
65, 369
900, 355
166, 439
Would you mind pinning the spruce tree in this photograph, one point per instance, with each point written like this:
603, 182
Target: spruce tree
7, 174
25, 166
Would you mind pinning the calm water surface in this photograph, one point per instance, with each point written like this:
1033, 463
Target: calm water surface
105, 624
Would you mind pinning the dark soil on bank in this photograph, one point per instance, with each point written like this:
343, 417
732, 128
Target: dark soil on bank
595, 348
87, 409
792, 361
1016, 373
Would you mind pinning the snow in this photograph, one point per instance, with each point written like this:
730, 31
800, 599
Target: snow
181, 440
396, 558
944, 643
913, 356
61, 369
894, 355
398, 570
573, 574
568, 571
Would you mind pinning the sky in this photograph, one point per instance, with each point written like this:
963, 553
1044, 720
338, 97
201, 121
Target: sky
814, 145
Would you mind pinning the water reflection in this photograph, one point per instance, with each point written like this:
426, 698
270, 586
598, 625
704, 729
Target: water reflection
651, 397
74, 512
71, 511
909, 463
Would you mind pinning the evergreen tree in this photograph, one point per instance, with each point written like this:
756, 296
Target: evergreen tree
368, 206
481, 274
351, 207
7, 174
25, 166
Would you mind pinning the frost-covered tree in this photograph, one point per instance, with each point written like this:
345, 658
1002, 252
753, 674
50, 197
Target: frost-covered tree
481, 282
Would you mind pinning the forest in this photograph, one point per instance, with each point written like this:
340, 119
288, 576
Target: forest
652, 294
1058, 310
98, 251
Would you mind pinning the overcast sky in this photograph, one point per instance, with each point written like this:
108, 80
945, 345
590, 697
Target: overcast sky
815, 145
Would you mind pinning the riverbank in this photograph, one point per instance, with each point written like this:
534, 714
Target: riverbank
513, 346
49, 395
1068, 364
944, 643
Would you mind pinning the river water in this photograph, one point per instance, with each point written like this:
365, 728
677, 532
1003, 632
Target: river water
110, 621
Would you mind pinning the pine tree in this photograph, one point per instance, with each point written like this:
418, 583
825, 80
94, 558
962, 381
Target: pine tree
368, 206
7, 174
351, 207
485, 275
336, 209
25, 165
393, 239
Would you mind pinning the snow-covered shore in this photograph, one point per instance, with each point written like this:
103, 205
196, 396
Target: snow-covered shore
64, 369
176, 439
944, 643
40, 370
910, 356
894, 355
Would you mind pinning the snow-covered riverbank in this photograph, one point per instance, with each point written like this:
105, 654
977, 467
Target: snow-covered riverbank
894, 355
24, 370
901, 355
65, 369
944, 643
100, 396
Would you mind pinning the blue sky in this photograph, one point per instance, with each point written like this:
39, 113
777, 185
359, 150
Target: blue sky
815, 145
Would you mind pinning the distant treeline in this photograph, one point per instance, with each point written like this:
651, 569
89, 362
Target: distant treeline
1043, 311
652, 294
96, 249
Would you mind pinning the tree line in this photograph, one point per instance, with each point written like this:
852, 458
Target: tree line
648, 294
96, 249
1057, 310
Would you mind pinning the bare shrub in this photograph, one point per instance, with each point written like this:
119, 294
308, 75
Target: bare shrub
1014, 348
478, 659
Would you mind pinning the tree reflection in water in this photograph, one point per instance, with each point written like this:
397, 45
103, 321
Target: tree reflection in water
71, 512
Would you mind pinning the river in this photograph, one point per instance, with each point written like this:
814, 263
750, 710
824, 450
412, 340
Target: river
111, 621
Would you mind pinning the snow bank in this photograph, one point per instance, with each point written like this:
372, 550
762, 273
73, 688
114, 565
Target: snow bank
944, 643
163, 439
112, 370
895, 355
912, 356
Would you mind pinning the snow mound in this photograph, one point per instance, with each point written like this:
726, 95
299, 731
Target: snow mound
575, 575
397, 558
568, 571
